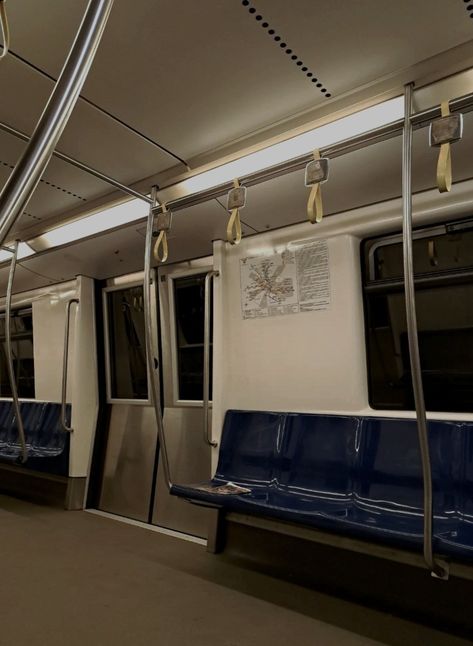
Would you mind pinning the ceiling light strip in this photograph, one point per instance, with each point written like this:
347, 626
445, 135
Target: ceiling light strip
135, 210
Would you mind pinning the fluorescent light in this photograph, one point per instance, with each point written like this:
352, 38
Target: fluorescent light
24, 250
326, 135
92, 224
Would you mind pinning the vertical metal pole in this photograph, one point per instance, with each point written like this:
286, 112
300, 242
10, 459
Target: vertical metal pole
151, 343
206, 376
412, 333
11, 371
32, 164
65, 361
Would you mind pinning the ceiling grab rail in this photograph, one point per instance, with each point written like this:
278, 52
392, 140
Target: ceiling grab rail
28, 171
65, 361
151, 335
5, 28
435, 568
10, 368
209, 279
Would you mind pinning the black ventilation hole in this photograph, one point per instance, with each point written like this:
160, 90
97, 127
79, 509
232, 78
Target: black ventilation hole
469, 7
287, 50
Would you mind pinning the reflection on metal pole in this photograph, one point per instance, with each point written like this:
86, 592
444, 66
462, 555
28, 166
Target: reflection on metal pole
206, 371
32, 164
412, 334
65, 361
11, 371
151, 344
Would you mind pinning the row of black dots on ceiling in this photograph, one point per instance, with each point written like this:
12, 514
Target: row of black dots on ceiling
55, 186
285, 47
469, 7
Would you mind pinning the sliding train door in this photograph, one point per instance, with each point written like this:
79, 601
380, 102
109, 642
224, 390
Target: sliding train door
181, 297
131, 446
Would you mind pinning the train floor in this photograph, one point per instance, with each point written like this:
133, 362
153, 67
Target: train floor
78, 578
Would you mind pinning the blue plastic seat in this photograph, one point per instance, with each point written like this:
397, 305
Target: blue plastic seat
249, 457
47, 443
351, 475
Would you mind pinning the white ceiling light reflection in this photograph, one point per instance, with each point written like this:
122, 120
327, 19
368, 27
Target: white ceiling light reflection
115, 216
326, 135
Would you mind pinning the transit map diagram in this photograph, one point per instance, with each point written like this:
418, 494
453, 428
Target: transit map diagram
289, 282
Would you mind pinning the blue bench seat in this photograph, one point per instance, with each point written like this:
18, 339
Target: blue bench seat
47, 443
359, 476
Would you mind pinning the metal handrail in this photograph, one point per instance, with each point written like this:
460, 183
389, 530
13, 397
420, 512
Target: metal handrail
412, 335
206, 370
65, 361
32, 164
151, 343
11, 371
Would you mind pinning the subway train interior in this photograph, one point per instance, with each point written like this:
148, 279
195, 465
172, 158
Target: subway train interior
236, 321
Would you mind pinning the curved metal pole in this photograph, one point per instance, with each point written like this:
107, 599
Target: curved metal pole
151, 346
11, 371
65, 358
412, 334
32, 164
206, 376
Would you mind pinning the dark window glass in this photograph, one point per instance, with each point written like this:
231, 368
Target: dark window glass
23, 355
189, 307
444, 300
127, 344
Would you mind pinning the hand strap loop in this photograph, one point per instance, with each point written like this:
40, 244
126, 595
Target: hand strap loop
444, 164
315, 210
161, 250
234, 223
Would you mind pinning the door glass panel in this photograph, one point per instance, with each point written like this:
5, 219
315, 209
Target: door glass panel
23, 355
127, 344
189, 308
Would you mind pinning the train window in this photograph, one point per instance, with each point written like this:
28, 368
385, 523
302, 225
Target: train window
189, 312
127, 345
23, 355
444, 297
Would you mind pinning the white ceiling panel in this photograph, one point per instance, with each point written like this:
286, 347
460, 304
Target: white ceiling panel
197, 75
349, 44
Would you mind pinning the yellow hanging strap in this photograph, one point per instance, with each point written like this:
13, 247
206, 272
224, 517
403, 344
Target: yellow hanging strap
315, 209
161, 242
5, 29
234, 223
444, 164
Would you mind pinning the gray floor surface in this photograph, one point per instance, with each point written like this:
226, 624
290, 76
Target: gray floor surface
70, 578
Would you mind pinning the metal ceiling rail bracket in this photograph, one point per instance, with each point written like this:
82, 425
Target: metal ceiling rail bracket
32, 164
151, 335
81, 166
10, 369
209, 281
435, 568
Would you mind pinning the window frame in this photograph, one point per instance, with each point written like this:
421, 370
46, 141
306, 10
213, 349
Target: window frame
27, 307
171, 277
108, 374
368, 273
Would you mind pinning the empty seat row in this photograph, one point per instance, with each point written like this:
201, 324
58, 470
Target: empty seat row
360, 476
47, 443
